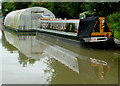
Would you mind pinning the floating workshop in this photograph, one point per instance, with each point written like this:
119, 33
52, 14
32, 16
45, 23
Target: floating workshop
25, 19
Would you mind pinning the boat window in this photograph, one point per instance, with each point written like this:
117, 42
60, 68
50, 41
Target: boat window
97, 28
106, 28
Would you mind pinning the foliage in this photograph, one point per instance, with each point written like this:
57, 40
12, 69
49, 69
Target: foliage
7, 7
71, 9
117, 34
66, 9
114, 21
103, 8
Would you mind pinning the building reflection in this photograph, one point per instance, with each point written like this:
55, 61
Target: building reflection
37, 49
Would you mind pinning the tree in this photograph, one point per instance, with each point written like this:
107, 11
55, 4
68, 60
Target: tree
66, 9
103, 8
8, 7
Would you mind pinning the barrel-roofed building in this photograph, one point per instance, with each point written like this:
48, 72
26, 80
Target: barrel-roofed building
25, 19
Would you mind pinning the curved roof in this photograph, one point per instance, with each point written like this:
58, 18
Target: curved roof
86, 26
21, 19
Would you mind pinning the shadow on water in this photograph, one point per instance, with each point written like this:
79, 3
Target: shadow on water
100, 46
85, 65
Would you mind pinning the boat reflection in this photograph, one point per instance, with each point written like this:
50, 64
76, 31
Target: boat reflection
91, 65
95, 63
33, 67
101, 66
36, 49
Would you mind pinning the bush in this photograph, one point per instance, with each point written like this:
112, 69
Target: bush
117, 34
114, 21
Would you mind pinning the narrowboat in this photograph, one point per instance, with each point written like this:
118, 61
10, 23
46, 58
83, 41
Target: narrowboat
90, 30
95, 29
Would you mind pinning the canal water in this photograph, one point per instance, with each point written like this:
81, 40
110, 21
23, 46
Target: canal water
37, 59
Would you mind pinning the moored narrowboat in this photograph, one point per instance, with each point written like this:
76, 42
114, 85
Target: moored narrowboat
95, 29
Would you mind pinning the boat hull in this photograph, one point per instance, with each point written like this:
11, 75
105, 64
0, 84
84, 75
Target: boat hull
75, 41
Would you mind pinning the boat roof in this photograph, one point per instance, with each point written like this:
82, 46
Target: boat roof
86, 26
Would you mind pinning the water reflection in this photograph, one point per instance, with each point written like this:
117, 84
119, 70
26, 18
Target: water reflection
101, 65
0, 59
94, 64
91, 65
34, 68
36, 49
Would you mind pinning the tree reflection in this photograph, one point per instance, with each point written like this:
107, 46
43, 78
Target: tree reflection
7, 45
24, 60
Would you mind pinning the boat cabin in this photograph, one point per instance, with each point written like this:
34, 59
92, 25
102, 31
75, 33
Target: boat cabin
94, 27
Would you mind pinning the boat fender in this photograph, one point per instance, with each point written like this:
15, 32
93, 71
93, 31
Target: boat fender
75, 31
108, 35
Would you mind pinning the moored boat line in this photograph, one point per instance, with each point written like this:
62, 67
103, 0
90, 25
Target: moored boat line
39, 19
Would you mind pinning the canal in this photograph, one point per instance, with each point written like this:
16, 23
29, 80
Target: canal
37, 59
